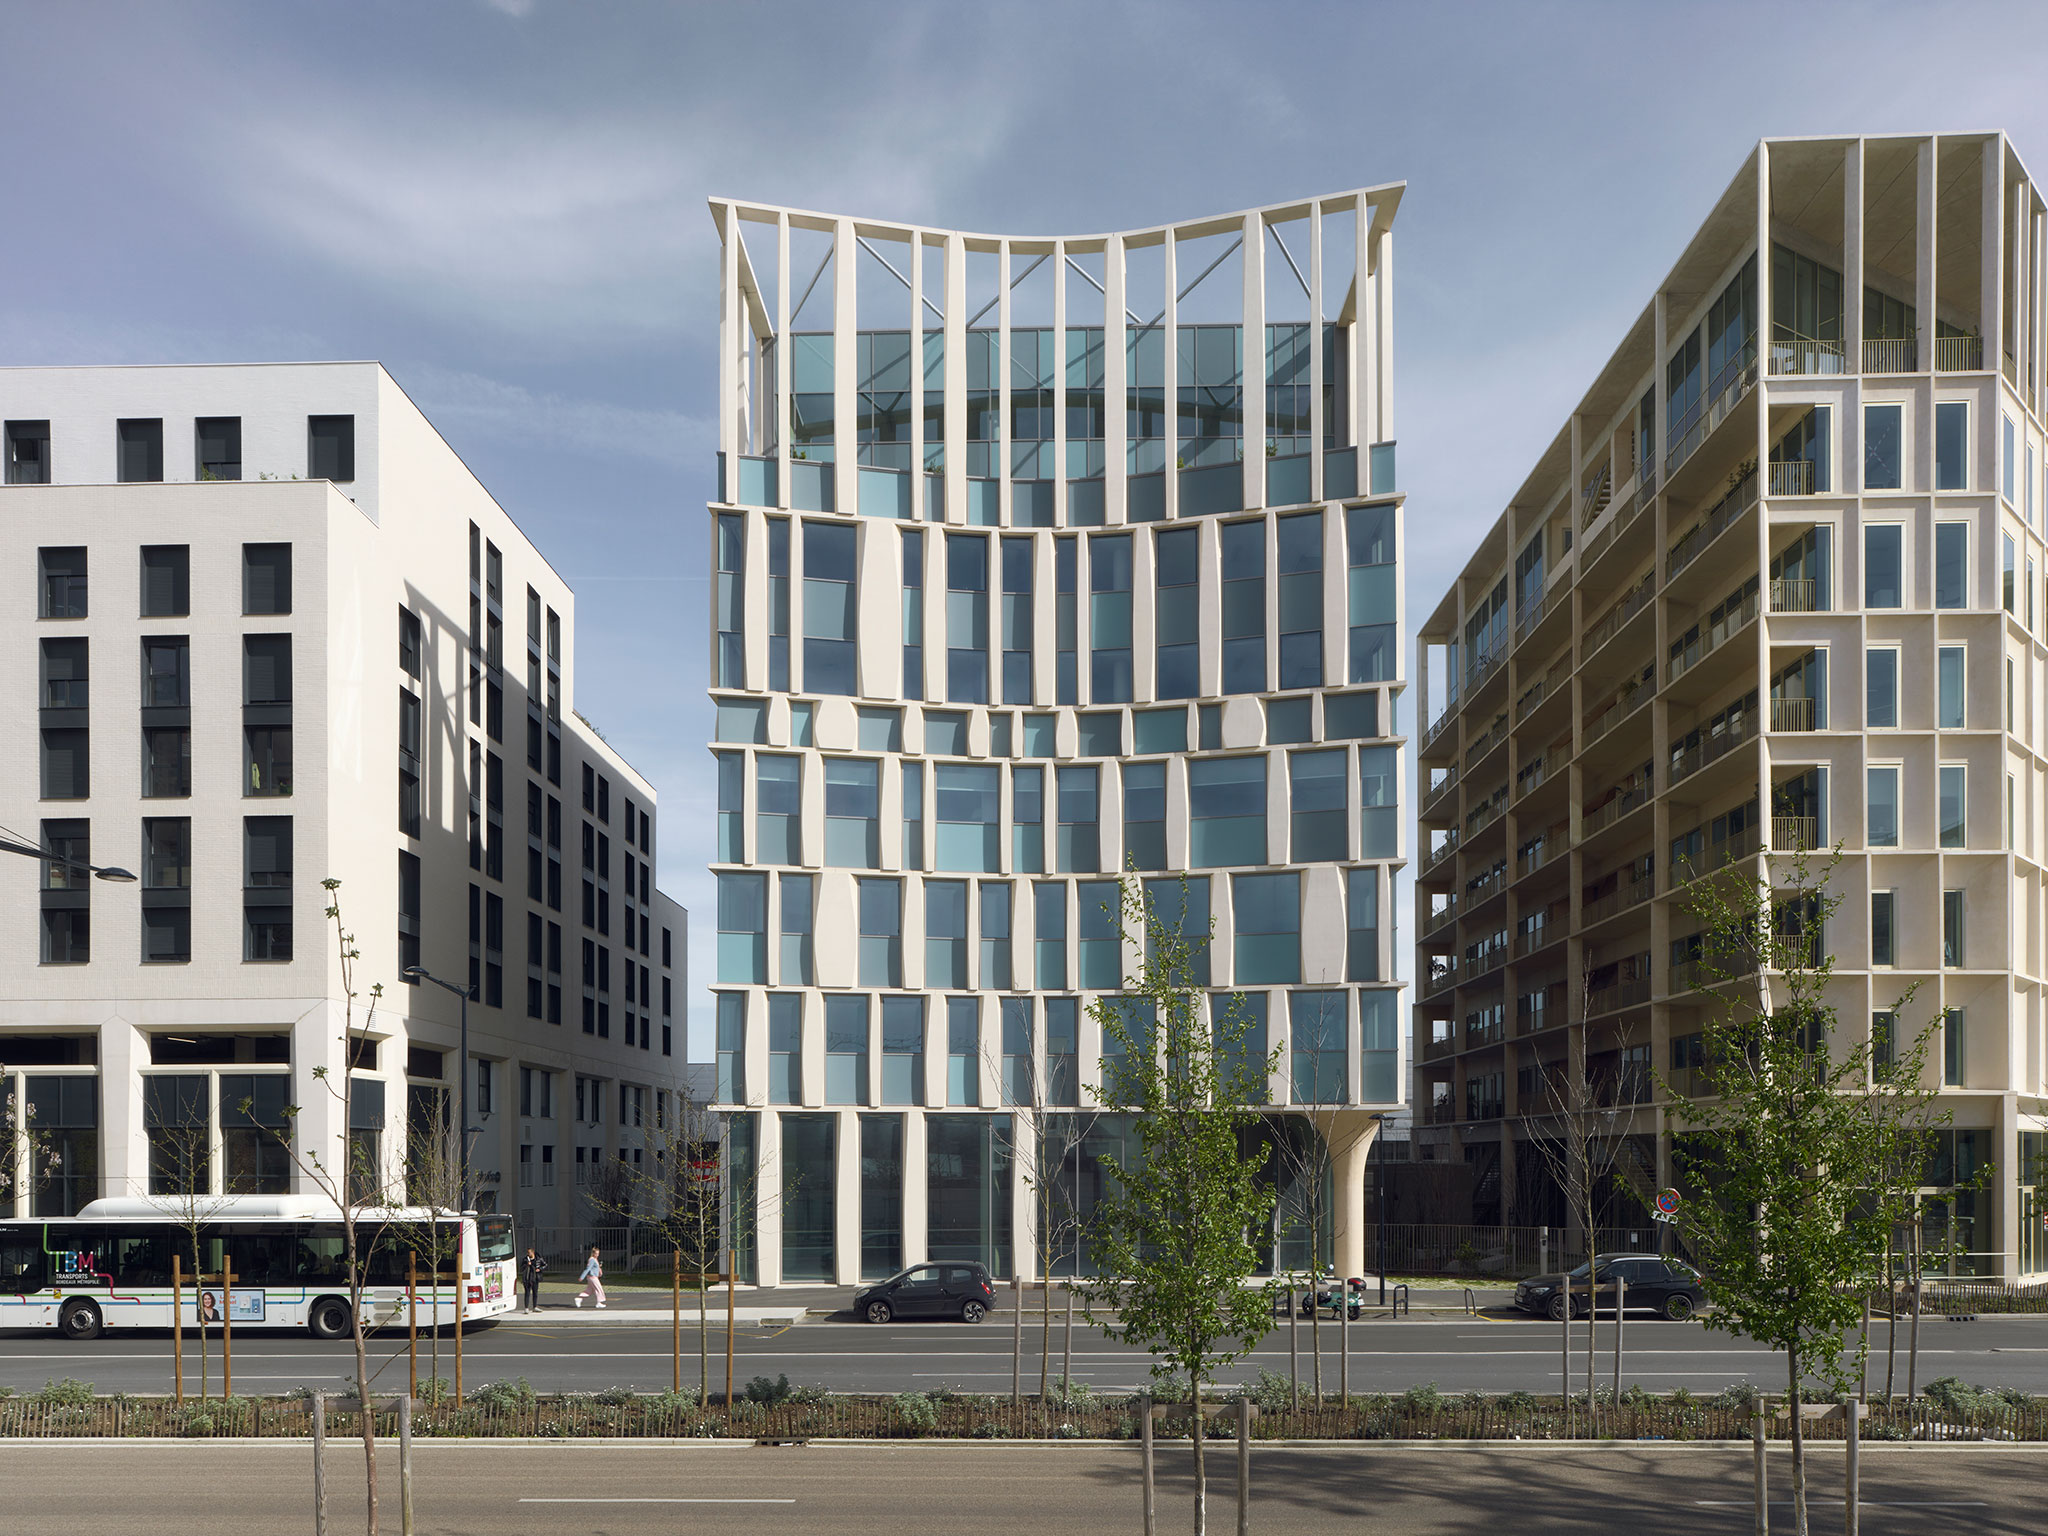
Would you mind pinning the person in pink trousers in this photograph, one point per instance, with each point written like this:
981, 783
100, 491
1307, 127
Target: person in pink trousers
593, 1279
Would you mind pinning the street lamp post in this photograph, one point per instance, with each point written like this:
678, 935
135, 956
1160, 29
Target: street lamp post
108, 872
421, 973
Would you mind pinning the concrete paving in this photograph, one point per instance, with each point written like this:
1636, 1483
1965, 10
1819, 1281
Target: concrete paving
628, 1489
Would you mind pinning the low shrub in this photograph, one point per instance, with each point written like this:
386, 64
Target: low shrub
501, 1396
917, 1410
68, 1393
1271, 1392
1518, 1402
768, 1393
1424, 1399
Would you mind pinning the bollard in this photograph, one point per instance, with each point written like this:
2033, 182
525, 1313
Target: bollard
1244, 1465
227, 1327
1016, 1339
1145, 1453
1763, 1487
319, 1464
1852, 1493
412, 1323
177, 1330
405, 1465
1620, 1310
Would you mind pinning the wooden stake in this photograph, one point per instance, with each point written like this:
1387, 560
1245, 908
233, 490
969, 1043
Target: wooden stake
1244, 1463
412, 1323
227, 1327
675, 1258
1852, 1494
1763, 1485
319, 1464
1016, 1340
461, 1297
405, 1465
1145, 1452
731, 1259
178, 1327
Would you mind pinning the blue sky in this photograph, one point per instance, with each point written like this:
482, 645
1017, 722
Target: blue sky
503, 201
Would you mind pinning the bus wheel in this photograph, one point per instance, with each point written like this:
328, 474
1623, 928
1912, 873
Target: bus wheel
329, 1318
79, 1320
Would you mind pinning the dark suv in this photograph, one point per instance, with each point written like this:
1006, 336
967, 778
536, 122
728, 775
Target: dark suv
948, 1289
1669, 1286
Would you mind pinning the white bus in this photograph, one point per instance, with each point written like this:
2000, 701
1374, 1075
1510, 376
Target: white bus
110, 1266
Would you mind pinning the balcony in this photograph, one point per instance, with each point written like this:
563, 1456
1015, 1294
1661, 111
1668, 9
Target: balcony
1487, 739
1958, 354
1726, 391
1443, 1112
1795, 834
1891, 354
1483, 818
1716, 856
1439, 1046
1725, 511
1552, 849
1491, 1033
1617, 901
1443, 852
1532, 1022
1630, 605
1526, 944
1803, 354
1613, 810
1442, 916
1535, 775
1533, 612
1487, 886
1794, 594
1632, 699
1625, 515
1440, 724
1714, 748
1793, 477
1619, 994
1440, 789
1442, 974
1714, 639
1793, 714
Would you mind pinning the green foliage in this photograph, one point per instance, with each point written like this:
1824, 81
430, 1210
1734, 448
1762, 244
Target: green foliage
917, 1410
1174, 1229
1636, 1397
768, 1393
1810, 1167
503, 1395
1424, 1399
617, 1397
68, 1393
1472, 1402
1065, 1392
1271, 1393
685, 1401
199, 1424
1518, 1401
435, 1390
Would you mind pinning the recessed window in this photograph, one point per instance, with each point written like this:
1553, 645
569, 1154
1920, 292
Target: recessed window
166, 581
331, 448
266, 578
1952, 445
1881, 687
139, 450
61, 582
1882, 808
28, 453
1883, 447
217, 442
1883, 566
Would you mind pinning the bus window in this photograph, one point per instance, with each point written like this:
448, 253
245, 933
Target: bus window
319, 1255
260, 1254
141, 1256
493, 1239
21, 1259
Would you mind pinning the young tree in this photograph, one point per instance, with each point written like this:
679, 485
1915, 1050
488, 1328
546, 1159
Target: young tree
181, 1163
433, 1183
1054, 1176
356, 1190
1179, 1225
1803, 1145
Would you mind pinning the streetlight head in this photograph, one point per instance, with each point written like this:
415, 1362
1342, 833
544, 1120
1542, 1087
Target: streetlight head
115, 876
414, 970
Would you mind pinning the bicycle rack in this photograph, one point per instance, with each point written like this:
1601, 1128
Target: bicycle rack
1401, 1301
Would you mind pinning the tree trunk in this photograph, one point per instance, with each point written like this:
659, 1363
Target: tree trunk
1045, 1333
1315, 1338
1293, 1348
1798, 1444
703, 1335
369, 1415
1195, 1427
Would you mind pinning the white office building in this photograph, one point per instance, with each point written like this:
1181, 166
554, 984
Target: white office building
1037, 560
255, 622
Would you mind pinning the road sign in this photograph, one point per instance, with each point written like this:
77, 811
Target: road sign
1666, 1207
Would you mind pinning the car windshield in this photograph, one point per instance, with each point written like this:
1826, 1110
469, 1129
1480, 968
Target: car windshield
1579, 1273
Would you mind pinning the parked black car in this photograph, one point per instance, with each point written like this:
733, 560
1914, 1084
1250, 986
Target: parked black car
950, 1289
1669, 1286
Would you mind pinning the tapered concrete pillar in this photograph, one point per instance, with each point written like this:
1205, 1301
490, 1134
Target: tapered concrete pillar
1351, 1139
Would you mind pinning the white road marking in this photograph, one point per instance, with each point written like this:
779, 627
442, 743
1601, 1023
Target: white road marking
657, 1501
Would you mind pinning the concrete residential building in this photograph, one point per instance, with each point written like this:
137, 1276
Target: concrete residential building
255, 621
1037, 559
1774, 585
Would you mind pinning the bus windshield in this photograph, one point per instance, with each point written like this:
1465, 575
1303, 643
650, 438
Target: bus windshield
493, 1239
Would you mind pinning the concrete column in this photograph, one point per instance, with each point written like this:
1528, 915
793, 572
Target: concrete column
845, 360
769, 1176
1352, 1134
916, 1210
1115, 339
783, 361
846, 1200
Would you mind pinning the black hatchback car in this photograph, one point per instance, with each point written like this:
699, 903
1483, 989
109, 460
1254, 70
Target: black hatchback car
1664, 1285
948, 1289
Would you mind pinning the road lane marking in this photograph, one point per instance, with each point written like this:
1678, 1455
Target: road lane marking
657, 1501
1860, 1503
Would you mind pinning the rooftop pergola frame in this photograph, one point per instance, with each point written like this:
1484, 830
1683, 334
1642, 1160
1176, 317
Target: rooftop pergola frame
787, 273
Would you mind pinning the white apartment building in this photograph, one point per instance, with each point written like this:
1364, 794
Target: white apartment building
255, 621
1038, 560
1775, 585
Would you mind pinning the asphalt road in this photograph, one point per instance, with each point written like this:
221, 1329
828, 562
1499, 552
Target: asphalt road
1458, 1354
622, 1489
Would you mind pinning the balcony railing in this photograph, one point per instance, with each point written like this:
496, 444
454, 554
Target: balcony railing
1526, 944
1739, 500
1631, 700
1439, 1046
1444, 1113
1487, 885
1715, 638
1443, 916
1440, 789
1792, 714
1608, 814
1617, 901
1532, 612
1795, 834
1528, 863
1593, 500
1448, 848
1630, 605
1442, 974
1726, 391
1487, 739
1958, 354
1891, 354
1693, 759
1526, 705
1793, 477
1540, 772
1439, 725
1624, 517
1795, 594
1803, 354
1533, 1022
1490, 1033
1715, 856
1619, 994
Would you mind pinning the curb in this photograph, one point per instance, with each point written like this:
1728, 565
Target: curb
670, 1443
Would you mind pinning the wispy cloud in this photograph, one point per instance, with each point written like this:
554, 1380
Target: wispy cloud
464, 405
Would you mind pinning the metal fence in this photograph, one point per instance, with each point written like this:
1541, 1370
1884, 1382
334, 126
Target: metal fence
1500, 1253
622, 1247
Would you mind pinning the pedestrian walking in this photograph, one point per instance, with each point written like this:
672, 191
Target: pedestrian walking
592, 1278
530, 1274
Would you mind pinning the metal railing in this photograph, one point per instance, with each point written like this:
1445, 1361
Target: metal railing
1526, 944
1958, 354
1487, 739
1621, 899
1715, 856
1528, 863
1608, 814
1631, 700
1439, 1046
1620, 994
1693, 759
1795, 594
1440, 724
1714, 639
1441, 916
1438, 790
1792, 714
1795, 834
1532, 612
1442, 974
1741, 378
1483, 818
1593, 500
1630, 605
1449, 847
1740, 498
1891, 354
1477, 1035
1486, 886
1804, 354
1793, 477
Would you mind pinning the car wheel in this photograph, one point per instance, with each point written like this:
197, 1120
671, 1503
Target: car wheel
328, 1318
1557, 1306
972, 1312
79, 1320
1678, 1307
880, 1312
